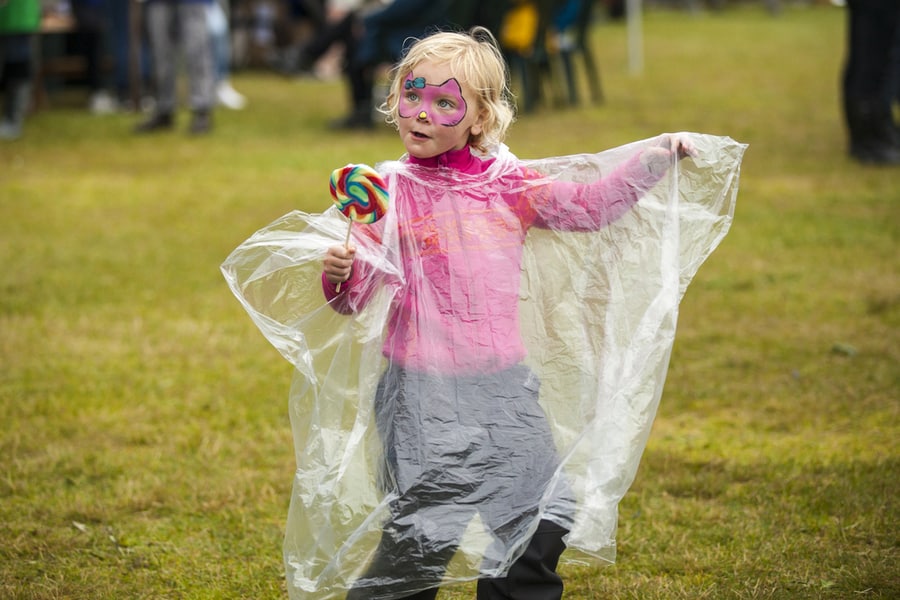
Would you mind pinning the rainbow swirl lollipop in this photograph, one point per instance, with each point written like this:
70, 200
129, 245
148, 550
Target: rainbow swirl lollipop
359, 192
361, 195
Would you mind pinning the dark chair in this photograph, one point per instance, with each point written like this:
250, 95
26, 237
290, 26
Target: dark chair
581, 48
529, 66
548, 72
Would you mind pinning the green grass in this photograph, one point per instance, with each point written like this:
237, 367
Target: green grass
146, 450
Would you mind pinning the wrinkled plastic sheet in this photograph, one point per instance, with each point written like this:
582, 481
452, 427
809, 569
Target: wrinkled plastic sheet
482, 457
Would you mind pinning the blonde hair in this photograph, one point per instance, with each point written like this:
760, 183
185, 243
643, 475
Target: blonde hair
475, 60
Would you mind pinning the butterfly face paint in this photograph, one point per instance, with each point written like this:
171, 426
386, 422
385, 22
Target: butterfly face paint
443, 104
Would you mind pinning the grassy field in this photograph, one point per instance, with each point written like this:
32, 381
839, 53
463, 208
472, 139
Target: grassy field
145, 445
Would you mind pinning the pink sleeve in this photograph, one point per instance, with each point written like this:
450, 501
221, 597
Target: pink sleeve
570, 206
355, 292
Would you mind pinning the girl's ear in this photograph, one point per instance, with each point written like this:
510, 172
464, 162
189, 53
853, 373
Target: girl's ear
478, 124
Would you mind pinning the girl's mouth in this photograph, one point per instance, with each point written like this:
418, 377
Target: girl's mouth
419, 135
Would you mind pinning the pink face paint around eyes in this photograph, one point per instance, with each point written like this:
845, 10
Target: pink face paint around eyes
428, 95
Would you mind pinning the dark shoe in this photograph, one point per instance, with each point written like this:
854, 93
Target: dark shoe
157, 122
875, 153
201, 123
305, 67
873, 137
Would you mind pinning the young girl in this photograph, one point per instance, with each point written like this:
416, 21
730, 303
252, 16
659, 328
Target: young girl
494, 294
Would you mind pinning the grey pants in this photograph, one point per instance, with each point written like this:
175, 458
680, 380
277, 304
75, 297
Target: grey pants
174, 26
456, 447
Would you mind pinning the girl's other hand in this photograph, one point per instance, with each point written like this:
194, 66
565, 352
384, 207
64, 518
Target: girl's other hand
681, 147
658, 158
338, 264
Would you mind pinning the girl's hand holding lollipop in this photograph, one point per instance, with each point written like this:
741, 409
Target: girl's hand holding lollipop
361, 195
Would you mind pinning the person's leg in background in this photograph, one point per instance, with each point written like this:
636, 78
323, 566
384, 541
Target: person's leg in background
219, 32
361, 79
360, 56
198, 55
16, 72
873, 26
92, 18
894, 91
118, 40
159, 18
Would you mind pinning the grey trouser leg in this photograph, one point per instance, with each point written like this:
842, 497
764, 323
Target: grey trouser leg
160, 29
170, 26
198, 55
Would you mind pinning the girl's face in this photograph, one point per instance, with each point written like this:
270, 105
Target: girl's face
437, 111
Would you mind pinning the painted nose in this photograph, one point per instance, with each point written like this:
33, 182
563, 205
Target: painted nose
423, 115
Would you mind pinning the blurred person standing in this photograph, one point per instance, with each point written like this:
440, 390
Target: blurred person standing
873, 29
119, 42
93, 21
220, 33
302, 21
174, 25
340, 28
19, 20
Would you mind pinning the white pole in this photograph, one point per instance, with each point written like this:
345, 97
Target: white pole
635, 37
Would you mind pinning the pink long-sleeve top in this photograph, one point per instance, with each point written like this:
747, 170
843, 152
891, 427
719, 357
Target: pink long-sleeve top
460, 249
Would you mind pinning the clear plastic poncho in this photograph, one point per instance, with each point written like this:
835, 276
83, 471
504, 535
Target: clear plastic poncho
496, 359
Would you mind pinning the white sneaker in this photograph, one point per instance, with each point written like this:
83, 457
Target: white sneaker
230, 97
102, 103
9, 130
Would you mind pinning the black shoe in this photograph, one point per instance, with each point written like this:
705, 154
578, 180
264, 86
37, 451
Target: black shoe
157, 122
201, 123
873, 134
875, 153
